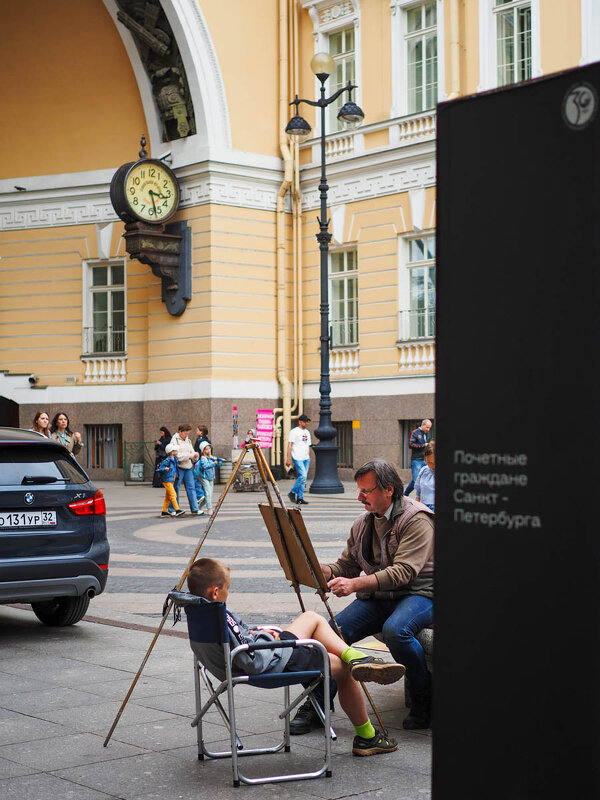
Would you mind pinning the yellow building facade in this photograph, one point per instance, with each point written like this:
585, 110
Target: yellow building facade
84, 329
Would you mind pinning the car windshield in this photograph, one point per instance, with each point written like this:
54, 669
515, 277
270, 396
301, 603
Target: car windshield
29, 464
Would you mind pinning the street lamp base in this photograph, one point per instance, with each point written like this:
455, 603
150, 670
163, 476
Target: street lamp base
326, 480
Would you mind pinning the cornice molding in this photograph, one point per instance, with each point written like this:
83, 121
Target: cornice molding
374, 175
84, 199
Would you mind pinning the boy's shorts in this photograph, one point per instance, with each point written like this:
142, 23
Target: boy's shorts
303, 658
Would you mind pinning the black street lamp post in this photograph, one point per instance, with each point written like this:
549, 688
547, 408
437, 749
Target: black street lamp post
326, 480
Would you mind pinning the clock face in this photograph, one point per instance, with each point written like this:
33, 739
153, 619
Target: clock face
151, 191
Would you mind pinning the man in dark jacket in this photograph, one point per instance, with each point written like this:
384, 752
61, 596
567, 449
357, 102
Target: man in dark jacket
388, 562
418, 441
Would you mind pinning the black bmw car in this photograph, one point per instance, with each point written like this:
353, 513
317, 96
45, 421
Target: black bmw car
53, 546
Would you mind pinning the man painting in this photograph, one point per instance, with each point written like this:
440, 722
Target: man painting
388, 562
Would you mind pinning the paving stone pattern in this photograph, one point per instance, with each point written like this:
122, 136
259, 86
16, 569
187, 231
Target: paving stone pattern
60, 689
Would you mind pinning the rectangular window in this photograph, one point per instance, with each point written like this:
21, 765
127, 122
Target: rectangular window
421, 57
104, 446
341, 49
345, 457
513, 41
106, 334
421, 263
343, 275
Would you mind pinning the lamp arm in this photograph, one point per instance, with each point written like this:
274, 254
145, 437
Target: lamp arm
348, 88
297, 102
325, 102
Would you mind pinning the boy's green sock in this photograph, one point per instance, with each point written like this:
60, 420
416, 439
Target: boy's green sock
367, 731
350, 653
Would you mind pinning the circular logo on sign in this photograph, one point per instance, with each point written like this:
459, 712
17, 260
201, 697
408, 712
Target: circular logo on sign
580, 105
29, 498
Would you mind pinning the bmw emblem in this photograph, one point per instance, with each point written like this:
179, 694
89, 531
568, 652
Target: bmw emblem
29, 498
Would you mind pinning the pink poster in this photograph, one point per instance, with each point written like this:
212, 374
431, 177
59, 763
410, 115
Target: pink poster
264, 426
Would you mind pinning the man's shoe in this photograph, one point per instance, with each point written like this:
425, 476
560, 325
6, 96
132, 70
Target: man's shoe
376, 670
419, 716
292, 497
380, 743
197, 513
306, 720
166, 514
302, 502
179, 512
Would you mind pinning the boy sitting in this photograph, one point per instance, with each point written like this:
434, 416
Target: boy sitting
209, 579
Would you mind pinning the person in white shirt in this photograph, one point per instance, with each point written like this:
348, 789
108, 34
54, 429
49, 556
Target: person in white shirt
298, 452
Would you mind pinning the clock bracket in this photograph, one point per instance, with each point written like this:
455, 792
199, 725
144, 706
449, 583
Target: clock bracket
166, 248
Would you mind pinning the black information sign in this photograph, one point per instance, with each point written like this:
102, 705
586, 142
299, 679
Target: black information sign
516, 665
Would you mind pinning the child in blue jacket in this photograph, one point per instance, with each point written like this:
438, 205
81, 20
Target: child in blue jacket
168, 472
205, 470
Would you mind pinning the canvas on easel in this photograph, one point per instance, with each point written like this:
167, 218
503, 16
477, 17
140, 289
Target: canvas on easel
293, 547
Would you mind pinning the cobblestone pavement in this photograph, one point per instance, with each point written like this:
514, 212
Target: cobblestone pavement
149, 553
60, 689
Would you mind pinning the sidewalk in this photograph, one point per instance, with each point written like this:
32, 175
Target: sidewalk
61, 689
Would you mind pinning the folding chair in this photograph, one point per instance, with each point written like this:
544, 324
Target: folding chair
207, 623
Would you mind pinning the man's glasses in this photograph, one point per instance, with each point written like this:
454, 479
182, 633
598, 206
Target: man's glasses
366, 492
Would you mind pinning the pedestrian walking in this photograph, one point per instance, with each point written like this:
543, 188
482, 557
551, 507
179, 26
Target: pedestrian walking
160, 445
186, 458
168, 471
205, 470
418, 439
298, 452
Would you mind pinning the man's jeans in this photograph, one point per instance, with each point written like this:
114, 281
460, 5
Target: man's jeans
399, 621
416, 467
301, 468
186, 476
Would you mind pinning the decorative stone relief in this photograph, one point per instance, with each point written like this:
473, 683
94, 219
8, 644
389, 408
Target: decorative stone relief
159, 53
335, 12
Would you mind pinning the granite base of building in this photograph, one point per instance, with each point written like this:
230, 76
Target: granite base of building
375, 425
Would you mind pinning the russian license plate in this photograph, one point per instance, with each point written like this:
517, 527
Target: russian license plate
27, 519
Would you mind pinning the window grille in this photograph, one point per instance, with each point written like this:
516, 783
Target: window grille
345, 455
104, 445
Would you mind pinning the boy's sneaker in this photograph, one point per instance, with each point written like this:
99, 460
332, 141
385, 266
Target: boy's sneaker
306, 719
376, 670
380, 743
179, 512
202, 501
166, 514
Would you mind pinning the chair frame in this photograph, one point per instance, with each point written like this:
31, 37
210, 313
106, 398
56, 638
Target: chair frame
270, 680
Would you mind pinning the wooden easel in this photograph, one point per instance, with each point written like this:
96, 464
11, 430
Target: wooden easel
293, 548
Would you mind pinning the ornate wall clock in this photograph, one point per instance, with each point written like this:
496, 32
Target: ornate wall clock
145, 190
